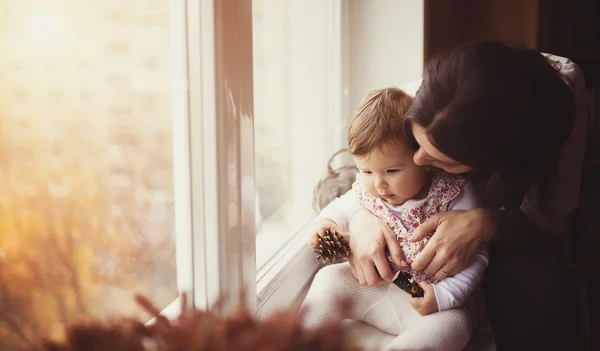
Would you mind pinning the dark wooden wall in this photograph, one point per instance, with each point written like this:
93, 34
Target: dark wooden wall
572, 28
451, 22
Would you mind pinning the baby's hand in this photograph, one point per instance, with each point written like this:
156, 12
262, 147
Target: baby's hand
320, 228
428, 303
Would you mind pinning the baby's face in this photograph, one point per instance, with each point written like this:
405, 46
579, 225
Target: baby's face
390, 174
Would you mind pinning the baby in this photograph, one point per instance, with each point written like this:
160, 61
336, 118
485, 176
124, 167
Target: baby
403, 195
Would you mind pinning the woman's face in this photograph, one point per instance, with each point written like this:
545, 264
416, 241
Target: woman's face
429, 155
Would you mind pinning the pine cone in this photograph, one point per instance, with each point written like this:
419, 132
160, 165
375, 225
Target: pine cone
332, 248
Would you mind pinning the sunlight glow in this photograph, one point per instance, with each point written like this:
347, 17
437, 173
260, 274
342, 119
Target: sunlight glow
42, 25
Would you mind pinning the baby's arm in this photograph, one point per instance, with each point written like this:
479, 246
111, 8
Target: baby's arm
341, 210
453, 291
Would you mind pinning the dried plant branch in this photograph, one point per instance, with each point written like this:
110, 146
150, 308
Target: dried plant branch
199, 330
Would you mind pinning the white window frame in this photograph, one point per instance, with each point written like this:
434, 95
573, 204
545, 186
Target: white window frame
212, 128
213, 101
221, 129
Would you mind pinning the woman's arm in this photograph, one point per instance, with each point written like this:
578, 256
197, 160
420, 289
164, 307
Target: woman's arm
516, 221
513, 228
368, 242
459, 233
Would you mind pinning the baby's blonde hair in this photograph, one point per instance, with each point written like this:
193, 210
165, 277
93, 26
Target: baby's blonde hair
378, 120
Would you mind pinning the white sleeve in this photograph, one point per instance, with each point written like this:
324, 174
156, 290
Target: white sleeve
468, 199
453, 291
341, 210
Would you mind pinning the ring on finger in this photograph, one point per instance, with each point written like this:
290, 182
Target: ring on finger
445, 273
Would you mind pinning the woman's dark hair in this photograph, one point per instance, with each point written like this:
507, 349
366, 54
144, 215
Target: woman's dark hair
496, 107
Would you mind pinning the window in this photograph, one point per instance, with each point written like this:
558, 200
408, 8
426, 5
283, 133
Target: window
297, 109
132, 136
86, 162
313, 62
299, 123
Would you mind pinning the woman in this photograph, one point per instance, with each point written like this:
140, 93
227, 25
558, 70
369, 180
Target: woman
505, 117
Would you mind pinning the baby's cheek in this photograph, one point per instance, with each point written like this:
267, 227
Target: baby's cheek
417, 183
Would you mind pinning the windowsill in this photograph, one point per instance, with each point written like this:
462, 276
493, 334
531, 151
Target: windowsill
171, 311
273, 240
282, 279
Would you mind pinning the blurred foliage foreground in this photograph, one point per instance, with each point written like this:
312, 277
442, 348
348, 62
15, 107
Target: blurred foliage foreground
58, 294
65, 259
203, 330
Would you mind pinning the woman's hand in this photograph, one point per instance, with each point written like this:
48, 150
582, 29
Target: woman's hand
458, 235
368, 241
428, 303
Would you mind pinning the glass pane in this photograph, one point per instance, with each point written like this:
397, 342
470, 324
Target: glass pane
86, 212
294, 53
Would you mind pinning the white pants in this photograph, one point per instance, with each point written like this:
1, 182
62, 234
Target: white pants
385, 307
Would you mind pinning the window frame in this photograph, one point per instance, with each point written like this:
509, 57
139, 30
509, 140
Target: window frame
214, 103
221, 129
212, 130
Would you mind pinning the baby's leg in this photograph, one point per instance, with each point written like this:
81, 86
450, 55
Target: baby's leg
448, 330
333, 284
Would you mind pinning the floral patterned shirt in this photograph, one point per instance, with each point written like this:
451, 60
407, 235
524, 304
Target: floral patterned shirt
447, 193
404, 219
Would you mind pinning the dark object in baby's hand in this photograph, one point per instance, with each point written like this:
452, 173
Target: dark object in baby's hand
407, 283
